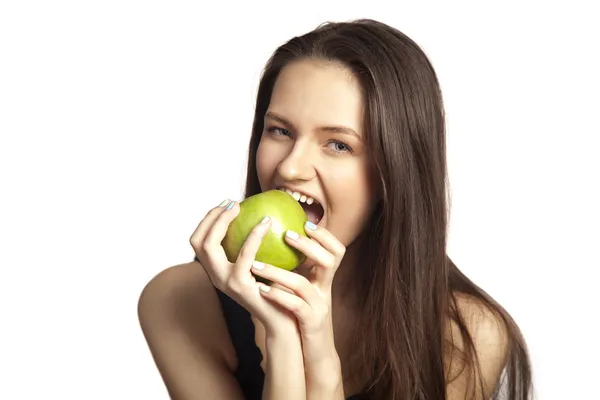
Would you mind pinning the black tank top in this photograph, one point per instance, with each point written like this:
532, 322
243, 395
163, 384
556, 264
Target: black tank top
249, 373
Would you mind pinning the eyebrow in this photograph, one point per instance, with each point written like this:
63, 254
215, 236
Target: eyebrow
332, 129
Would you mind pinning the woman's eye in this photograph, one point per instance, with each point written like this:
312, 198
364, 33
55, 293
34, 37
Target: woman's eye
279, 131
340, 147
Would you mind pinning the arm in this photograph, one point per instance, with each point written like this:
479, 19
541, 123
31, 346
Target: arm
180, 317
323, 370
284, 374
309, 299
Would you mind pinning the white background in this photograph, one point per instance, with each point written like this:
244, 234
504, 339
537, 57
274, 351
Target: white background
123, 122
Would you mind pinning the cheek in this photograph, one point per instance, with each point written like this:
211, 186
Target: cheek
266, 163
353, 204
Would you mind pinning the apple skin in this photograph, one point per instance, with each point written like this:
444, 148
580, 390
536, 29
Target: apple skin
285, 213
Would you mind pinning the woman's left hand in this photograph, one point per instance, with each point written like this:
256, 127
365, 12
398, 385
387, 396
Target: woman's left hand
309, 298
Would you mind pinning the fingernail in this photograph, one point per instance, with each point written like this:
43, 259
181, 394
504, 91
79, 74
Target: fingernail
265, 220
292, 235
258, 265
264, 288
230, 205
223, 203
311, 226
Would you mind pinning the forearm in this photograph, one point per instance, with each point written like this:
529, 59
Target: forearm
323, 368
284, 375
324, 379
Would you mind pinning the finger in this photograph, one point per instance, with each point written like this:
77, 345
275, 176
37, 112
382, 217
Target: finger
279, 286
326, 263
200, 232
290, 281
250, 248
290, 302
326, 239
211, 246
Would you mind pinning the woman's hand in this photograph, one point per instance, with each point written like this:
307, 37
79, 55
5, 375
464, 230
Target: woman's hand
236, 279
309, 299
284, 369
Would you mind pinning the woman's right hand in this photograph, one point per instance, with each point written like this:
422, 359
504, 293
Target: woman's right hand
236, 279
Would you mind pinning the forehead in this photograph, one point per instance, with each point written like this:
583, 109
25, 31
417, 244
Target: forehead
312, 92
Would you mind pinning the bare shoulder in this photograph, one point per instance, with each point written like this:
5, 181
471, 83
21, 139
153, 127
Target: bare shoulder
490, 339
181, 318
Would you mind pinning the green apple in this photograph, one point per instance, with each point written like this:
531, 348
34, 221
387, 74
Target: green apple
286, 214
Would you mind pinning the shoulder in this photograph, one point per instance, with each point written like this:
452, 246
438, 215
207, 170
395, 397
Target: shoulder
174, 282
490, 341
179, 310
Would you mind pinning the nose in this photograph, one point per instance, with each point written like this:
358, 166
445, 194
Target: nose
297, 165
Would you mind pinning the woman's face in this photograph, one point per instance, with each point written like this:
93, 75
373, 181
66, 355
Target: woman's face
313, 146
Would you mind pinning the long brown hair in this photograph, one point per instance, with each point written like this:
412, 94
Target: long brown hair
409, 284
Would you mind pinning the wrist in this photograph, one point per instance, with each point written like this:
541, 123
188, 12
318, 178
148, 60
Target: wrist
280, 342
282, 333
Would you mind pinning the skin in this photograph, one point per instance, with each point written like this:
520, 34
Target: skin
304, 319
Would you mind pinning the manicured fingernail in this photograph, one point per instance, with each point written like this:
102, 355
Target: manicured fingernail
223, 203
292, 235
311, 226
258, 265
230, 205
264, 288
265, 220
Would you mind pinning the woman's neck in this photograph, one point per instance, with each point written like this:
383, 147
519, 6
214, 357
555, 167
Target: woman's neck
345, 283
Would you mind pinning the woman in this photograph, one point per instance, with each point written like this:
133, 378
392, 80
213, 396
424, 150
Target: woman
349, 118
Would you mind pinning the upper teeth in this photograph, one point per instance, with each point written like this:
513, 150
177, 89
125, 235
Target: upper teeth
299, 196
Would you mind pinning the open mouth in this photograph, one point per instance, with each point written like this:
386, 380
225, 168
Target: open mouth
314, 211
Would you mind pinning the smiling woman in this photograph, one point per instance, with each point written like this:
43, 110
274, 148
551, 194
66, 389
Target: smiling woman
349, 120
